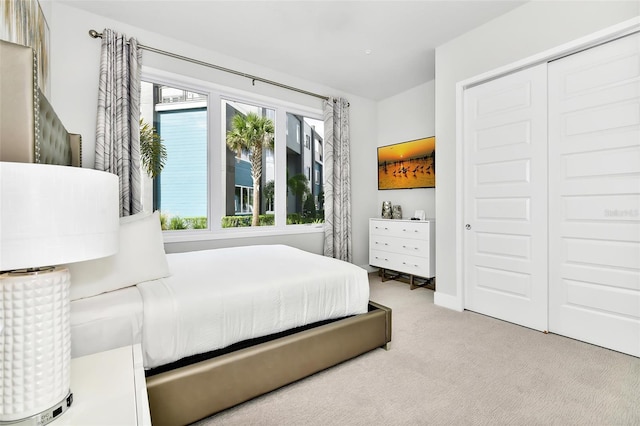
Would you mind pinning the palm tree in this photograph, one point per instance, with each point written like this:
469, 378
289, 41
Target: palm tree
153, 153
252, 133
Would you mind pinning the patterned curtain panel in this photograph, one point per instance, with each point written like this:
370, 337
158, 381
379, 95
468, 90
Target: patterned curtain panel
337, 193
118, 125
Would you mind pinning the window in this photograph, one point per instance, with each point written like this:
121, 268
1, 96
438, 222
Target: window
318, 145
243, 200
207, 184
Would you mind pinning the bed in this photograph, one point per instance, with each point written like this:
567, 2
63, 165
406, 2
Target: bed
213, 359
219, 327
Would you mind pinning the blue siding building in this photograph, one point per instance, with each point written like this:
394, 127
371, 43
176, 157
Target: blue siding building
183, 181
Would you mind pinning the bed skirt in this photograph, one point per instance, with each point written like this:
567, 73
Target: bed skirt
190, 393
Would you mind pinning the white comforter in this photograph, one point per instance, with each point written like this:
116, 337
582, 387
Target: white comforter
215, 298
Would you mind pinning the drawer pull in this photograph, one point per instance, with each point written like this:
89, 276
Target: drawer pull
415, 266
406, 230
405, 247
379, 258
386, 244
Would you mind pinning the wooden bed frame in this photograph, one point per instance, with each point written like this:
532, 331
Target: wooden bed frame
187, 394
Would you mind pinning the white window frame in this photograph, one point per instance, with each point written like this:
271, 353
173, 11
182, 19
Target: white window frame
216, 173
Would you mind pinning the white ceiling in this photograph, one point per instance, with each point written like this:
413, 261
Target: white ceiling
321, 41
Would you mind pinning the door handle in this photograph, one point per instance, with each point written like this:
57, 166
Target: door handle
467, 226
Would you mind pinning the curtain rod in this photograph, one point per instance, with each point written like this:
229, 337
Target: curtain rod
253, 78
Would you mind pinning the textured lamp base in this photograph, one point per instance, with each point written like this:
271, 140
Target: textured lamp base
35, 342
44, 417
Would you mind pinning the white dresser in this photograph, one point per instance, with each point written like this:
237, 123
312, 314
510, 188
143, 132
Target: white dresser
403, 246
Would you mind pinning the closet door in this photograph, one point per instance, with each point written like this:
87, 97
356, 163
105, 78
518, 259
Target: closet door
505, 240
594, 195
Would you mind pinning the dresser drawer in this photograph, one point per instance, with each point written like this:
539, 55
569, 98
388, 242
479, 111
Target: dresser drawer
401, 229
408, 246
400, 262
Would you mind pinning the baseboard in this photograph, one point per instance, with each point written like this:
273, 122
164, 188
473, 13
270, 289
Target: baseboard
448, 301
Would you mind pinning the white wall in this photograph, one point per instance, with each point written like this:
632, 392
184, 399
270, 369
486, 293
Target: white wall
407, 116
75, 59
364, 175
530, 29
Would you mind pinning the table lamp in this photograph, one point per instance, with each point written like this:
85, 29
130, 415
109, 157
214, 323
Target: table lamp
49, 215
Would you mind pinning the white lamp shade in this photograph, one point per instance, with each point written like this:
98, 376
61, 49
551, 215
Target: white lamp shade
52, 215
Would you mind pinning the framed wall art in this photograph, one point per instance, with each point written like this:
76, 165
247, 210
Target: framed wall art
407, 165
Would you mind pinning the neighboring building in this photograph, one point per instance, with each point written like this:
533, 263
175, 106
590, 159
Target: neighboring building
180, 117
304, 156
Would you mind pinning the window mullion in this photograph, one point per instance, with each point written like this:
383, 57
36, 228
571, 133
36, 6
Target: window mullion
281, 168
216, 161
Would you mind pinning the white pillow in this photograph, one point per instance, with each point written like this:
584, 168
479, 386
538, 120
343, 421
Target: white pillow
140, 257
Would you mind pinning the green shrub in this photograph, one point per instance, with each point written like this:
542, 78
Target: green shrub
177, 222
200, 222
298, 219
294, 219
197, 222
245, 220
309, 207
168, 223
163, 221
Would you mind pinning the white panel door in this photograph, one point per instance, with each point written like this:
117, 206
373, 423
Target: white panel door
505, 241
594, 195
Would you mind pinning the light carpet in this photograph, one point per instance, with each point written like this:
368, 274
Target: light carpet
456, 368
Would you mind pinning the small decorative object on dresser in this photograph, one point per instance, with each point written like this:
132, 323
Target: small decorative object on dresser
404, 247
396, 212
386, 210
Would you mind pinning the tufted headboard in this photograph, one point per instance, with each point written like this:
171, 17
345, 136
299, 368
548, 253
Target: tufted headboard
30, 130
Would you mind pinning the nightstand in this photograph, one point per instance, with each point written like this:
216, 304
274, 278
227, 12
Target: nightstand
109, 388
